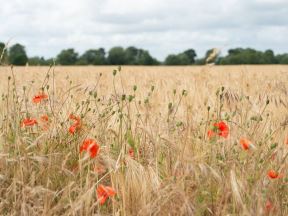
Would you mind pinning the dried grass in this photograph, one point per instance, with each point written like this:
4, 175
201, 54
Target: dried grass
176, 169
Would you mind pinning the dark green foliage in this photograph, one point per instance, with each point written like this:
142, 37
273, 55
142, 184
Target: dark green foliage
3, 54
185, 58
191, 54
67, 57
2, 46
17, 55
116, 56
180, 59
93, 57
134, 56
269, 57
248, 56
282, 59
144, 58
131, 55
200, 61
39, 61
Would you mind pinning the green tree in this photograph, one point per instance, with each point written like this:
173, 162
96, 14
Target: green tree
17, 55
131, 55
200, 61
282, 58
171, 60
3, 54
93, 57
249, 56
185, 58
116, 56
191, 54
180, 59
67, 57
269, 57
37, 61
134, 56
50, 61
144, 58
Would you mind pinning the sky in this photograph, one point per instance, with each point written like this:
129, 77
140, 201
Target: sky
162, 27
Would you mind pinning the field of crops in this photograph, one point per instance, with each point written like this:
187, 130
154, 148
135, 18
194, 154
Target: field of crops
201, 140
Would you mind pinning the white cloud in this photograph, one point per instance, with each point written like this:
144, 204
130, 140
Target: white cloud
161, 26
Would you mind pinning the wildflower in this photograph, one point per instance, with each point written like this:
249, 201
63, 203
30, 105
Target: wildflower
38, 98
29, 122
44, 118
73, 117
73, 128
104, 192
286, 141
245, 143
77, 124
222, 128
131, 153
44, 122
268, 206
91, 146
274, 175
211, 134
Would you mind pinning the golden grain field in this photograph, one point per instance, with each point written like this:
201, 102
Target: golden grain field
161, 151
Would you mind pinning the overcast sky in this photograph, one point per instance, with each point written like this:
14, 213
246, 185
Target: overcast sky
161, 26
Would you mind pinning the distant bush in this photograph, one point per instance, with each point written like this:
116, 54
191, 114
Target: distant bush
118, 55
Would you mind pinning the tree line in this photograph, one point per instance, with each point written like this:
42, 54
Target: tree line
16, 55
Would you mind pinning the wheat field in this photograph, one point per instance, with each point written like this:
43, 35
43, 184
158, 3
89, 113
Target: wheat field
201, 140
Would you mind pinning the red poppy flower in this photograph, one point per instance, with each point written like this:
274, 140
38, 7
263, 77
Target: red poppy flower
73, 128
274, 175
77, 124
29, 122
44, 122
222, 128
245, 143
38, 98
104, 192
268, 206
211, 134
73, 117
44, 118
131, 153
90, 146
